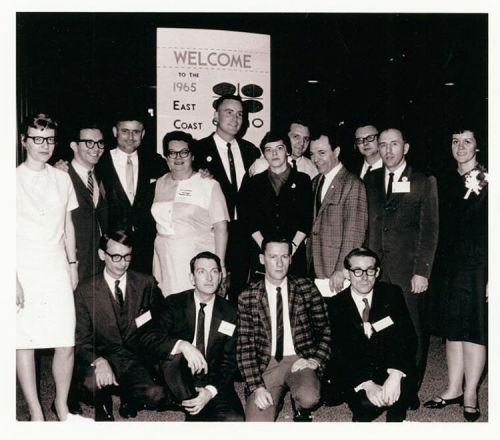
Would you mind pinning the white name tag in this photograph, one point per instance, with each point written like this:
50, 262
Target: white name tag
142, 319
401, 187
383, 323
227, 328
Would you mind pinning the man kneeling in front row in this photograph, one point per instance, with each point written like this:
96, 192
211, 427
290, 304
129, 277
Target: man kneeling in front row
283, 338
373, 342
195, 339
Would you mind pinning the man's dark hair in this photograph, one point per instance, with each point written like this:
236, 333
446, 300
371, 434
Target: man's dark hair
270, 239
299, 121
333, 138
120, 236
393, 127
177, 135
85, 125
360, 252
209, 256
129, 115
276, 136
223, 98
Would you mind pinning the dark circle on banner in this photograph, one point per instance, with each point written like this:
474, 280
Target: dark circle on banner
252, 90
253, 106
224, 89
257, 122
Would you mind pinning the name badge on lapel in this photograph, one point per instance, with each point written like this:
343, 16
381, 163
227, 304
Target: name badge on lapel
142, 319
401, 187
382, 323
226, 328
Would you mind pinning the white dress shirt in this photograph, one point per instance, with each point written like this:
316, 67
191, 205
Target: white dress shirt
238, 159
375, 166
397, 174
329, 179
360, 305
111, 283
119, 159
288, 348
83, 174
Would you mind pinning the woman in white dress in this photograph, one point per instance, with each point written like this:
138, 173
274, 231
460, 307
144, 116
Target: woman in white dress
190, 213
46, 268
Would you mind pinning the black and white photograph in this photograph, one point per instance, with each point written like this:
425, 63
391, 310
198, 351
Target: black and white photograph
277, 214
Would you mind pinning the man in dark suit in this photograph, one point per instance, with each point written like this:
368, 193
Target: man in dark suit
340, 212
366, 142
91, 216
373, 342
403, 230
194, 337
283, 338
126, 172
110, 307
228, 157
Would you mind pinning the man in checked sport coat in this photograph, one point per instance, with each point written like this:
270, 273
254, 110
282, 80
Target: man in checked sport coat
110, 308
403, 230
194, 338
373, 342
283, 338
340, 213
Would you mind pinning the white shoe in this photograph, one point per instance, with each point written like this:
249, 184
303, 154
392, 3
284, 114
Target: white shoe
77, 418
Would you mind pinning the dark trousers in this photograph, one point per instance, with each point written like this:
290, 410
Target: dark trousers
224, 407
364, 411
137, 386
237, 259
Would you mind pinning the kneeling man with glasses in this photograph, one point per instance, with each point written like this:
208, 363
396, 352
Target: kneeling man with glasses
373, 342
110, 308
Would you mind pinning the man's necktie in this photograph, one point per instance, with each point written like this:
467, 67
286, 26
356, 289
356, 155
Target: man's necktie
232, 169
119, 293
129, 179
279, 325
294, 164
389, 185
200, 330
317, 198
368, 169
366, 310
90, 184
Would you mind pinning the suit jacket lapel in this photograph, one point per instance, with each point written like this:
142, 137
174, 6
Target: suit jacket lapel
214, 326
356, 319
116, 182
104, 300
334, 192
264, 312
292, 305
79, 186
191, 314
217, 163
133, 296
396, 197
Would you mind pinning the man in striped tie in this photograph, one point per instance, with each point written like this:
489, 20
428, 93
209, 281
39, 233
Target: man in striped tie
283, 338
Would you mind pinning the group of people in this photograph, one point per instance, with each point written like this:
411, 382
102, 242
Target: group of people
219, 262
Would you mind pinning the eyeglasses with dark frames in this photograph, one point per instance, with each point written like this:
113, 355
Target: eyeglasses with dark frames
366, 139
90, 144
39, 140
359, 272
175, 154
116, 258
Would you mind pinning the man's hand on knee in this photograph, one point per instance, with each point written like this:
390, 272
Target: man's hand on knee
391, 390
263, 398
104, 375
301, 363
374, 393
196, 361
194, 406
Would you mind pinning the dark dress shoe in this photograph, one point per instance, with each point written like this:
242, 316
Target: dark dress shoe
74, 407
441, 403
472, 416
127, 410
414, 403
103, 413
302, 415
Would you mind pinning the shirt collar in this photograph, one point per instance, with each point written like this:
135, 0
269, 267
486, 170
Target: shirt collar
121, 154
197, 301
221, 142
398, 171
272, 288
333, 172
358, 299
111, 281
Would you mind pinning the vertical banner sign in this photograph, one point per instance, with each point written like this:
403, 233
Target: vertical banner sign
196, 66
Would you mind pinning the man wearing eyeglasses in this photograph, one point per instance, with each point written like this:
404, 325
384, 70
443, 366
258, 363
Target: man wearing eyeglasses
90, 218
373, 342
126, 173
110, 308
366, 141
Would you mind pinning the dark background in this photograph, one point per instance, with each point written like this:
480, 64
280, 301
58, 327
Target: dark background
387, 68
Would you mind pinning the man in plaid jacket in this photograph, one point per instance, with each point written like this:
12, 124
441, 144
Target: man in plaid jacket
283, 338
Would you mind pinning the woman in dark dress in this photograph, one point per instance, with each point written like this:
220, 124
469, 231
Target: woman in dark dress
278, 202
465, 231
